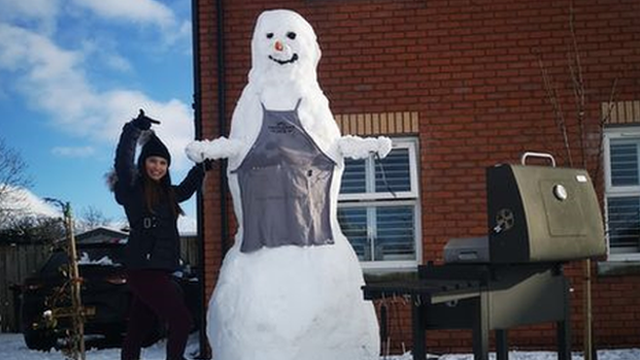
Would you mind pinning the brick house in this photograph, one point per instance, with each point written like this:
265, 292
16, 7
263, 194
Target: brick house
459, 87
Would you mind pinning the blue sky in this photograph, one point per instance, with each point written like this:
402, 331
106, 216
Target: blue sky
72, 72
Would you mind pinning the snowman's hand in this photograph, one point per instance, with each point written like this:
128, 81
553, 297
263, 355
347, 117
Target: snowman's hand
384, 146
359, 148
220, 148
195, 151
354, 147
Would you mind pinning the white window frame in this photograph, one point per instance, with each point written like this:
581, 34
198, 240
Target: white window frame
618, 191
410, 145
402, 198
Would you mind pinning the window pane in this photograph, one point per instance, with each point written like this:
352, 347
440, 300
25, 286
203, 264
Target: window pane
395, 238
624, 223
393, 173
624, 163
353, 178
353, 222
380, 228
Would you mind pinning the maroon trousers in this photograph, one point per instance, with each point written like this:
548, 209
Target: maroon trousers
155, 296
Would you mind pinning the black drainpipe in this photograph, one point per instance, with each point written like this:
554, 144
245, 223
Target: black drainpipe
197, 107
197, 112
222, 127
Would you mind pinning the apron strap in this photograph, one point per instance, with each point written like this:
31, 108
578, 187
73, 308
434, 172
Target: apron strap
294, 109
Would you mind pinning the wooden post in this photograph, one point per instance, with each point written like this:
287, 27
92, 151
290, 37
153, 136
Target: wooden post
587, 346
76, 338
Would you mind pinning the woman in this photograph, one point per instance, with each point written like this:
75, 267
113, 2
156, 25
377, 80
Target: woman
152, 253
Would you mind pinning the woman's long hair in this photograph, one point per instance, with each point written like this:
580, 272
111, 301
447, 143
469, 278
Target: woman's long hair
157, 191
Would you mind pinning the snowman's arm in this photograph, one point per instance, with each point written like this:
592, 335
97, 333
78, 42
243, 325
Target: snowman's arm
359, 148
220, 148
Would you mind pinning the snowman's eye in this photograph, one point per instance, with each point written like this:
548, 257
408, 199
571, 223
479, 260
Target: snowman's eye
291, 35
269, 35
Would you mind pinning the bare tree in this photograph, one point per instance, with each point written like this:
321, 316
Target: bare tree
581, 119
90, 218
591, 164
13, 178
33, 229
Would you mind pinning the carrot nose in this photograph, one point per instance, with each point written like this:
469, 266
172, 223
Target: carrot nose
279, 46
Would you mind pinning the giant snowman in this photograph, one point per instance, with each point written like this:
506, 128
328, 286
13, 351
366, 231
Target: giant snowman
289, 288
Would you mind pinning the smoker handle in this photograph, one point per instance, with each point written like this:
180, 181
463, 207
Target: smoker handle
527, 154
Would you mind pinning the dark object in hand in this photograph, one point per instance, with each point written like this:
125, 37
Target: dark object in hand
143, 122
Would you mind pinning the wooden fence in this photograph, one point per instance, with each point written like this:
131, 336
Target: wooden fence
17, 261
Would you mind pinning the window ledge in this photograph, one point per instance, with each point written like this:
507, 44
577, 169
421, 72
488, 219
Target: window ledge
618, 268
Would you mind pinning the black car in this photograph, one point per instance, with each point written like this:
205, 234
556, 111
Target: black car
104, 293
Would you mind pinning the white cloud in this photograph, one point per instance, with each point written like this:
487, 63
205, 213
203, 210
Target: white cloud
22, 48
39, 9
53, 80
49, 75
181, 33
103, 53
141, 11
45, 15
41, 12
73, 152
117, 62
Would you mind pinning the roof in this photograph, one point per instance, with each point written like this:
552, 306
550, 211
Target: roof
101, 235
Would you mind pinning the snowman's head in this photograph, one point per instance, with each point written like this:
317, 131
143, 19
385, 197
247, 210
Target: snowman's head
284, 49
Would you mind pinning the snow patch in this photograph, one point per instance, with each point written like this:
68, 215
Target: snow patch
86, 260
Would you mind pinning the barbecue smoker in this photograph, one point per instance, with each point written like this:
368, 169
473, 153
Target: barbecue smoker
539, 217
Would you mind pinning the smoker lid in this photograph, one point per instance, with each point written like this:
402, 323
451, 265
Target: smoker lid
542, 213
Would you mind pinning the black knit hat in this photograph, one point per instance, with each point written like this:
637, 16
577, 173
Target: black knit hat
153, 147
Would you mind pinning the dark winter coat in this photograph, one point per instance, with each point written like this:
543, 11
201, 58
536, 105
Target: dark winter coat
154, 242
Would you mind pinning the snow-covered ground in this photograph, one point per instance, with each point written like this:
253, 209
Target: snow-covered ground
12, 347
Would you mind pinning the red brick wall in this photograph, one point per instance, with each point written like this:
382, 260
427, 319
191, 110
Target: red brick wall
471, 71
208, 104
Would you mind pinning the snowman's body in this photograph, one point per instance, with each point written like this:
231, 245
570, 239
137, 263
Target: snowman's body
289, 288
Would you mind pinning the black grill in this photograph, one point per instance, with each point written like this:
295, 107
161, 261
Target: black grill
539, 217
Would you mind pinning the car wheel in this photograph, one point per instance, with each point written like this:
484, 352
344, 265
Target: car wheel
39, 339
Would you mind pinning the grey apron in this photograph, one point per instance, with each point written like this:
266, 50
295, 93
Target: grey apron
285, 182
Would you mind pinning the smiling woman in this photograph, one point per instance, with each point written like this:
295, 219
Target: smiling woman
156, 167
152, 205
108, 56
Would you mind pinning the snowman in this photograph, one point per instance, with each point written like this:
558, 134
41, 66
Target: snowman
289, 288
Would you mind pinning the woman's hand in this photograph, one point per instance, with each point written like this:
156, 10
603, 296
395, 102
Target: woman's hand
143, 122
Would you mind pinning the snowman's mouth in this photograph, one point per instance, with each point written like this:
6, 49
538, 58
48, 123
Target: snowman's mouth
293, 59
